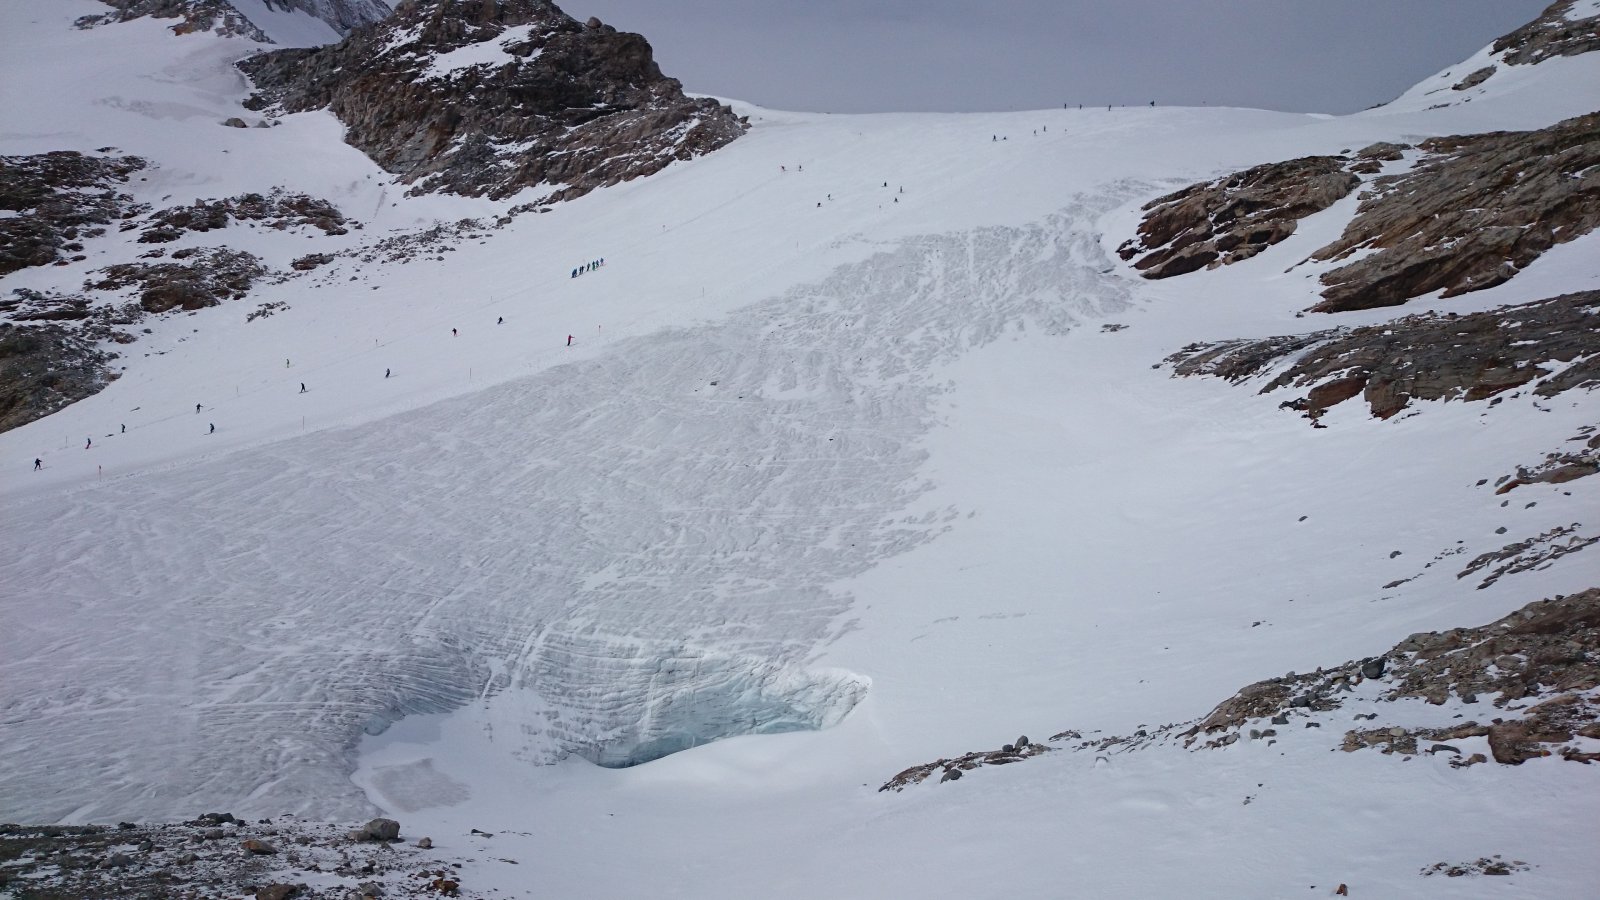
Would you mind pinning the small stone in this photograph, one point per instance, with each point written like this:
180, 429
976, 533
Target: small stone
358, 835
1255, 734
1500, 530
425, 844
1373, 668
950, 775
1280, 719
1300, 702
1469, 697
1394, 554
1313, 724
277, 891
1007, 748
1022, 742
187, 859
213, 834
1443, 748
255, 845
1397, 731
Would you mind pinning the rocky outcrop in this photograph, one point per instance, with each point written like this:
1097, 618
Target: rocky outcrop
194, 17
44, 367
201, 277
491, 97
56, 200
953, 769
1233, 218
343, 15
279, 210
1475, 211
1559, 31
1527, 555
1561, 466
224, 18
1421, 357
1548, 653
218, 855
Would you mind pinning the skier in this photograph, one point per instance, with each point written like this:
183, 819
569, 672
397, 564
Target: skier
386, 373
569, 340
500, 321
454, 333
37, 464
213, 428
87, 443
124, 429
574, 273
197, 409
286, 364
302, 387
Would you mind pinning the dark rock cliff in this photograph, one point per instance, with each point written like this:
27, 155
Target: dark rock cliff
489, 97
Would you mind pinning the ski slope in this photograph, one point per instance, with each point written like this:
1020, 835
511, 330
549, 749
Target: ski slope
833, 479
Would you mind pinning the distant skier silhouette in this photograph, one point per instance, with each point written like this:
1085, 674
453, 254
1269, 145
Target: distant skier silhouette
213, 428
38, 464
302, 387
124, 429
87, 442
386, 373
569, 340
197, 409
454, 333
500, 321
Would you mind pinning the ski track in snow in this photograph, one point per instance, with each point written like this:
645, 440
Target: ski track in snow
653, 573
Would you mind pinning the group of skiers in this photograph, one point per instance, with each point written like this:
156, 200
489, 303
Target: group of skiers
88, 442
589, 266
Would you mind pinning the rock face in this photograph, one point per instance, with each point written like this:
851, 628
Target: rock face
201, 278
56, 199
1475, 211
46, 367
226, 19
486, 98
343, 15
1559, 31
279, 210
1421, 357
1233, 218
194, 16
1547, 652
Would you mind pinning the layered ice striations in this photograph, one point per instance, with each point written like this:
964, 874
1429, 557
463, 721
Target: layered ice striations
620, 558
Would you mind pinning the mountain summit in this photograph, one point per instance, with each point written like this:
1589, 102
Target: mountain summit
488, 97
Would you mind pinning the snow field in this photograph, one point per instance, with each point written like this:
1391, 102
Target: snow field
926, 505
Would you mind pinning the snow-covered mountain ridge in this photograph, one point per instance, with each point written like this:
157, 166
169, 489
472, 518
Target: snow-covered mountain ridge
859, 451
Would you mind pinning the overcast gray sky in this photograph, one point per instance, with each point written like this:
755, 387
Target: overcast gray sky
961, 55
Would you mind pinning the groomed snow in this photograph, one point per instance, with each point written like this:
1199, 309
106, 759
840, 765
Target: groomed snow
823, 455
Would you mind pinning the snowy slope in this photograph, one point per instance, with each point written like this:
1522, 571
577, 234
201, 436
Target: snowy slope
823, 455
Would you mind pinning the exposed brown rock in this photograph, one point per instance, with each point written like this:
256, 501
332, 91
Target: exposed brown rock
1422, 357
194, 16
953, 768
205, 277
279, 210
1234, 218
1533, 553
44, 368
1474, 79
1552, 34
566, 108
1474, 212
58, 198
